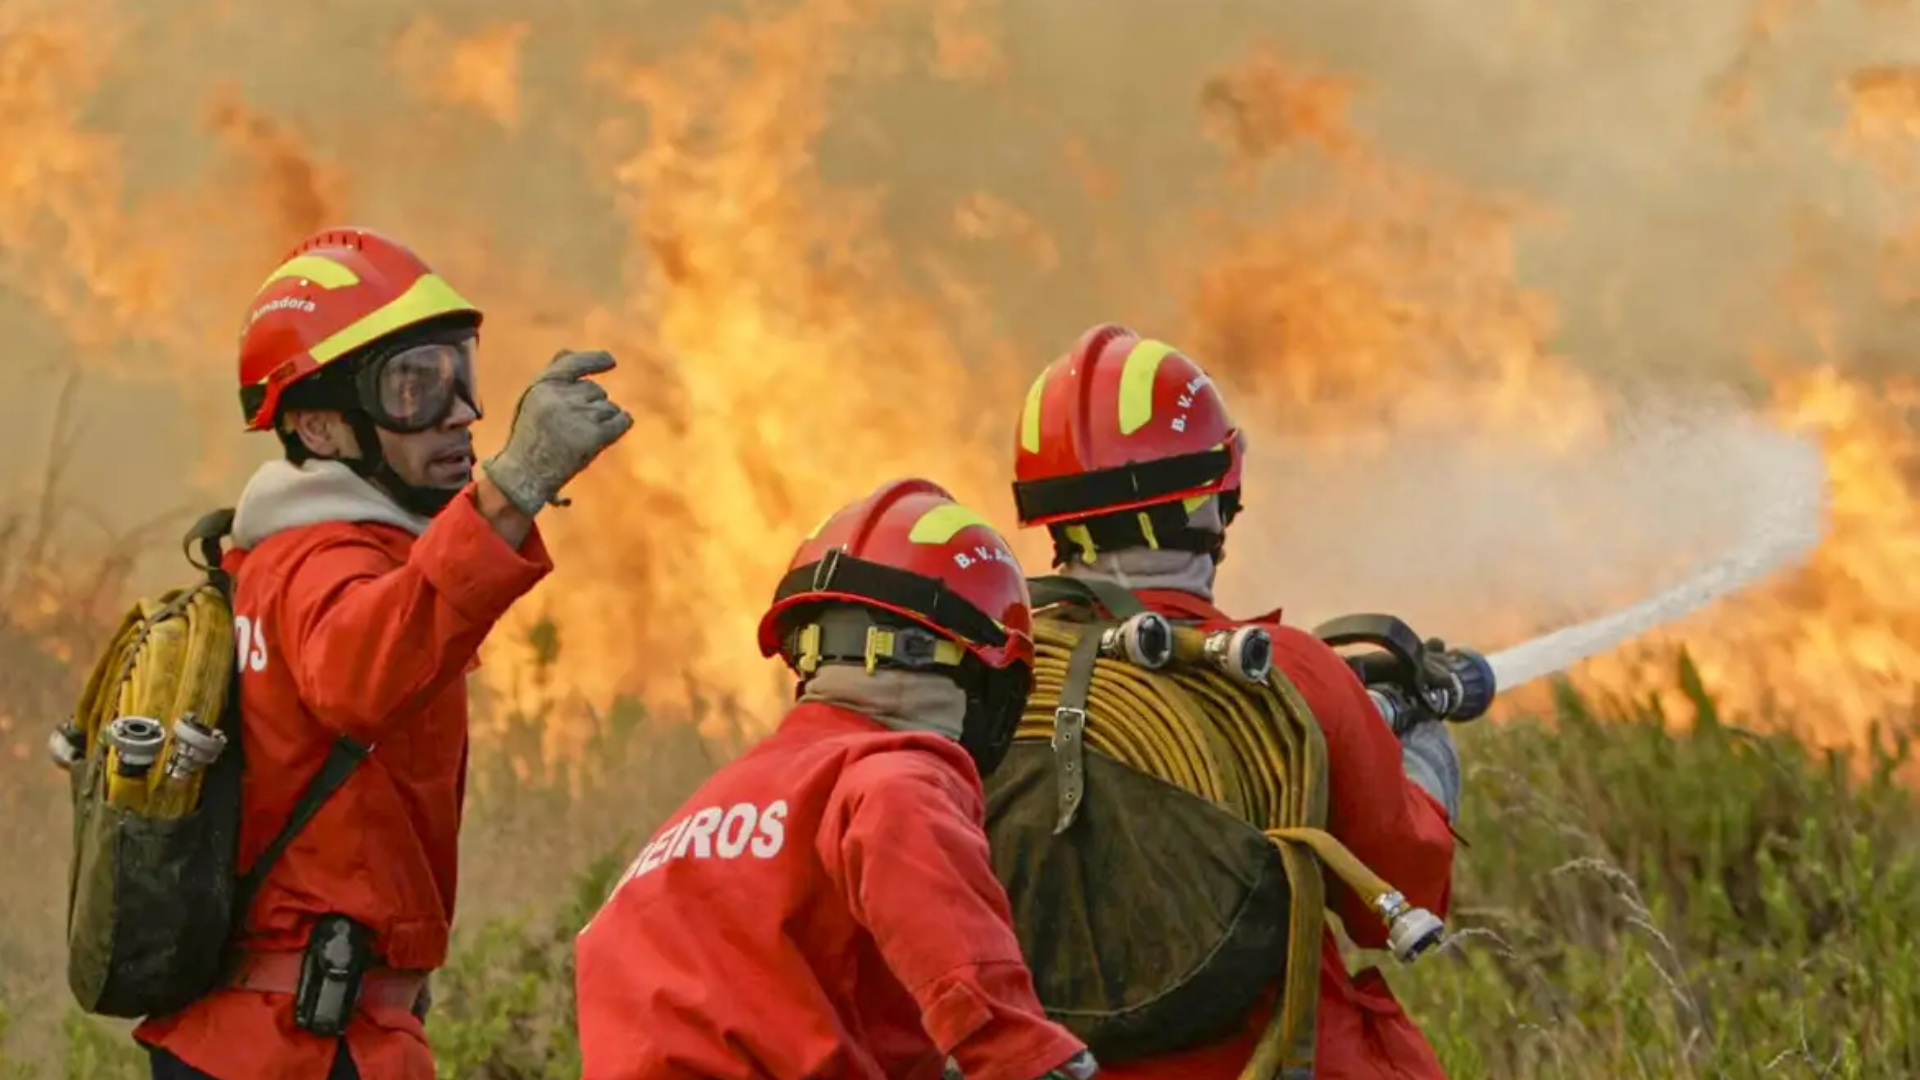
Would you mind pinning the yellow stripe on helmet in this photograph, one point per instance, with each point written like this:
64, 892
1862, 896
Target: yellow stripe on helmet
1030, 415
943, 522
318, 269
1136, 383
427, 297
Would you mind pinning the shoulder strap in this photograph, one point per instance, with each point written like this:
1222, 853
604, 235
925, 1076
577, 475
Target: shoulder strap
1070, 727
1055, 588
342, 758
203, 539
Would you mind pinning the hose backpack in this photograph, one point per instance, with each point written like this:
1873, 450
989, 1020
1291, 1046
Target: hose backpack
155, 756
1158, 827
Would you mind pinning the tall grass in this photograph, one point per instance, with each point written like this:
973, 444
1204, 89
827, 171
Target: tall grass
1638, 896
1713, 903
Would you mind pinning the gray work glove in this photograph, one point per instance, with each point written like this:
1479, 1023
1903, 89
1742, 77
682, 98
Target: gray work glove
1080, 1066
1428, 755
563, 422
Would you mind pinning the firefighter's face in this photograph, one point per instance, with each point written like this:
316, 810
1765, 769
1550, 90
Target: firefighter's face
439, 457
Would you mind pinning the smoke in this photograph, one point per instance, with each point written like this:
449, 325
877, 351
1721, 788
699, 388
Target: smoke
1689, 156
1490, 547
1485, 280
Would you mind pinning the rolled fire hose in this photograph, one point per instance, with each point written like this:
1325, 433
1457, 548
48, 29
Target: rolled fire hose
1220, 746
171, 656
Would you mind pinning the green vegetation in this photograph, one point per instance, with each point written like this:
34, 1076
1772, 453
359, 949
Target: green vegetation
1632, 903
1707, 904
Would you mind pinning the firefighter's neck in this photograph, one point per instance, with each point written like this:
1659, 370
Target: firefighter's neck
1144, 568
898, 700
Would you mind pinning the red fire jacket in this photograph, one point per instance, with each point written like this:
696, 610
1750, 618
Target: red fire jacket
360, 629
821, 907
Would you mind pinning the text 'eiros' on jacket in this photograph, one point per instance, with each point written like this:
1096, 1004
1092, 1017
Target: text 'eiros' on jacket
716, 833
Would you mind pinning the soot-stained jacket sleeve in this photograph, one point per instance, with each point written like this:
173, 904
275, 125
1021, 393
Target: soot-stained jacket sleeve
1386, 819
903, 841
372, 639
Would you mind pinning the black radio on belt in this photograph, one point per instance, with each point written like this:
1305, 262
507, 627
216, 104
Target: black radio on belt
337, 956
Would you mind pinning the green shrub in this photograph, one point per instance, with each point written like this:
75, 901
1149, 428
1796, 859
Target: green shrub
504, 1005
1631, 902
1635, 897
1640, 903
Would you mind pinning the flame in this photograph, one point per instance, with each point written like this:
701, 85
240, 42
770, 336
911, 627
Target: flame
60, 189
793, 328
802, 370
1831, 649
1344, 314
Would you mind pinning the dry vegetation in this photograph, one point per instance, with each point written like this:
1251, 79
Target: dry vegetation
1634, 903
854, 205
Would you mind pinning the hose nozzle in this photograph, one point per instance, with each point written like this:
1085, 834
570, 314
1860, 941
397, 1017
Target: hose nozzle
1145, 640
1410, 680
1462, 685
195, 746
136, 742
1244, 652
66, 745
1411, 931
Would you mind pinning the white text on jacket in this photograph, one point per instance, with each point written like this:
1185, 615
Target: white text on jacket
714, 833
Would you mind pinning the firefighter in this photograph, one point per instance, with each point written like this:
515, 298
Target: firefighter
369, 563
1126, 454
824, 905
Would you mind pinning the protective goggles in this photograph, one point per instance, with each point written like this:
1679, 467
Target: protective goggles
415, 389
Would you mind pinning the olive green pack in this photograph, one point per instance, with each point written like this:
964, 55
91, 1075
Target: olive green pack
153, 897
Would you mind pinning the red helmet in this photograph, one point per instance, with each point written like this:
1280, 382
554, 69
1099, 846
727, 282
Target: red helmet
338, 290
910, 549
1123, 423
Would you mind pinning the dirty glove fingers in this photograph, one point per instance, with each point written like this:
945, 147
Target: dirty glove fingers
601, 410
563, 422
621, 423
570, 366
611, 423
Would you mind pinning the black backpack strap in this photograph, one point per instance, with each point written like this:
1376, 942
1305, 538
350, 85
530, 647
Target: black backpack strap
203, 540
342, 758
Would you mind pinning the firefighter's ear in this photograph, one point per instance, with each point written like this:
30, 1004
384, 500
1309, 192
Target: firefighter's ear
324, 432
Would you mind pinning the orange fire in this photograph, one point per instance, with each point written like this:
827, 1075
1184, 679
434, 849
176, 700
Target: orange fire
803, 308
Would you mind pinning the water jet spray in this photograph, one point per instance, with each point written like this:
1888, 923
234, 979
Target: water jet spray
1411, 680
1790, 525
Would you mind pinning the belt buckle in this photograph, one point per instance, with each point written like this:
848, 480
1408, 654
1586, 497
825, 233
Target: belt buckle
1068, 721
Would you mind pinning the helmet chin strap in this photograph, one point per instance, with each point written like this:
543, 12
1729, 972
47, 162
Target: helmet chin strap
373, 466
995, 698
